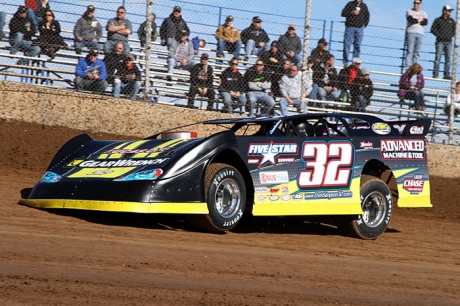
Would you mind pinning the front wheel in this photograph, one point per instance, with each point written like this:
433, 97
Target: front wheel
377, 205
225, 194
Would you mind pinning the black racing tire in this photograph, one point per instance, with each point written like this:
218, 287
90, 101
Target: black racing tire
377, 204
225, 194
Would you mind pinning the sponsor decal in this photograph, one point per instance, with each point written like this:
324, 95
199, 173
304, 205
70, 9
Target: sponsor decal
275, 126
274, 189
271, 151
400, 128
136, 151
402, 149
253, 161
261, 198
260, 190
297, 196
284, 189
116, 163
414, 184
285, 197
366, 145
416, 130
286, 160
381, 128
101, 172
328, 195
273, 177
274, 197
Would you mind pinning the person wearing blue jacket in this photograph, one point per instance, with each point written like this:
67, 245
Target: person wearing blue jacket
91, 74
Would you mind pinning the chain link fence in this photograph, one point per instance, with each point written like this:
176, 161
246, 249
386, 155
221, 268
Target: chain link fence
383, 51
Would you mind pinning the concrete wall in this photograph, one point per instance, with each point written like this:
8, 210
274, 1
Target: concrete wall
65, 107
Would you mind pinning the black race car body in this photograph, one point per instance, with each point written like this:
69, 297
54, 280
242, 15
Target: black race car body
281, 166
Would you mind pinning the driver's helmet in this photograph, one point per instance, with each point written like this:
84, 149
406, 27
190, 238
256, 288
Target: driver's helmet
304, 129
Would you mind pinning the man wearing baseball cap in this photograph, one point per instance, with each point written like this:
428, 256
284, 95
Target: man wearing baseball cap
290, 46
172, 27
22, 29
91, 73
444, 29
201, 77
319, 54
87, 31
255, 38
228, 38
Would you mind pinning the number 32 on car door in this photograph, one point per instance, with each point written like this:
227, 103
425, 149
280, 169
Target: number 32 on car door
327, 165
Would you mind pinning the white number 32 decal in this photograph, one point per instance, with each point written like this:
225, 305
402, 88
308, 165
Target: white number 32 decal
326, 164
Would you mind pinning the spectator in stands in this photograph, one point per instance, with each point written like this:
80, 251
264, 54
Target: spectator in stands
197, 44
456, 103
36, 9
272, 58
118, 30
357, 18
319, 54
87, 31
259, 85
228, 38
201, 78
276, 76
50, 40
325, 76
2, 23
181, 54
255, 38
444, 29
347, 76
232, 86
172, 27
291, 87
91, 73
411, 84
416, 20
311, 89
142, 34
290, 46
22, 29
363, 90
114, 61
128, 79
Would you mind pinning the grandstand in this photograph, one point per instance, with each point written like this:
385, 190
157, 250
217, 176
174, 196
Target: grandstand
381, 54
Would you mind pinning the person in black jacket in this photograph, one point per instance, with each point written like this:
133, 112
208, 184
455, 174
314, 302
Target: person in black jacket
290, 46
444, 29
272, 58
114, 61
201, 77
22, 30
319, 54
255, 38
357, 18
128, 79
325, 76
172, 27
50, 40
363, 90
232, 86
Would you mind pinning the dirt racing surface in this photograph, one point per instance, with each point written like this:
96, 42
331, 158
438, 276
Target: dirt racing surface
95, 258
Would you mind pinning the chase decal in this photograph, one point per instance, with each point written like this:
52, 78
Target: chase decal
414, 184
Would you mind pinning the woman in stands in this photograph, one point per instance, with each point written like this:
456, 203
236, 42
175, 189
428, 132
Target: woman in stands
411, 84
50, 40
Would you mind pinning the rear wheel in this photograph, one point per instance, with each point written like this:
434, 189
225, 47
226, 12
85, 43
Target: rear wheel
377, 205
225, 194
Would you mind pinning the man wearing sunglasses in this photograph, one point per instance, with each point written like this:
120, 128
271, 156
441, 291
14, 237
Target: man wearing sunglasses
118, 30
91, 73
416, 20
259, 84
290, 46
87, 31
255, 38
232, 86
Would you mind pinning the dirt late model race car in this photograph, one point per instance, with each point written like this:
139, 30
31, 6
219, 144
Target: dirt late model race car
356, 168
